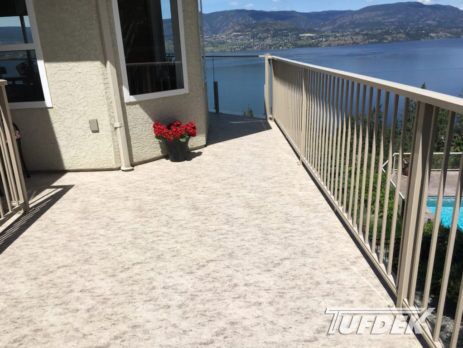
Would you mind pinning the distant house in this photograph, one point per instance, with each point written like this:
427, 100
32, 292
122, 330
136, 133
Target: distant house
86, 78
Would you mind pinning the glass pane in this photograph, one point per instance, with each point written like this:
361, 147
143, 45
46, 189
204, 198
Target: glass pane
151, 37
248, 74
15, 27
20, 69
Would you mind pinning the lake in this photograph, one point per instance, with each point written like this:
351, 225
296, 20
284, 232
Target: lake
437, 63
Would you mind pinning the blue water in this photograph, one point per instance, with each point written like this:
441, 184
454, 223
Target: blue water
448, 205
437, 63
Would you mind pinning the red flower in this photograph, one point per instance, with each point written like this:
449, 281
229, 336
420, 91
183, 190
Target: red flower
175, 124
190, 129
159, 129
174, 131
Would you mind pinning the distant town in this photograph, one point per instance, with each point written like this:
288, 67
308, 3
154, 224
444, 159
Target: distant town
239, 30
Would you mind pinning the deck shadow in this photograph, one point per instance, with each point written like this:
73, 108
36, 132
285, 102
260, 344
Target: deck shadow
38, 182
228, 127
39, 206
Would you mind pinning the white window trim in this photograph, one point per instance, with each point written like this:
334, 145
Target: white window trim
35, 46
128, 98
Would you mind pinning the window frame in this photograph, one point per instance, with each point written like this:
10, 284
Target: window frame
129, 98
37, 48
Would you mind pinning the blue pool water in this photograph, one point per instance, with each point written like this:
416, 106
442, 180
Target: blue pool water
447, 211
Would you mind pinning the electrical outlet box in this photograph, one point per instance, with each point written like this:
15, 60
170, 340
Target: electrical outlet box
94, 126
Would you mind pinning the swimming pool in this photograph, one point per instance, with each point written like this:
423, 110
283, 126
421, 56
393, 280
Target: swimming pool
447, 211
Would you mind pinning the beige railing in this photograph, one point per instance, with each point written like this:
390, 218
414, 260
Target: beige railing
13, 195
345, 127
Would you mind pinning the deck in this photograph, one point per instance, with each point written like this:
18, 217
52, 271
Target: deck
236, 247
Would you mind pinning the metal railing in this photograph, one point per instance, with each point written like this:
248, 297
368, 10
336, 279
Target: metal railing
13, 194
345, 127
438, 157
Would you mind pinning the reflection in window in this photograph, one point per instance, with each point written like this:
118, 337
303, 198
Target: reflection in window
18, 61
20, 69
15, 27
152, 49
14, 30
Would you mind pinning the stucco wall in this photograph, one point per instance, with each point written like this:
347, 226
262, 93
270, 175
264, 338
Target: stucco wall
186, 107
60, 137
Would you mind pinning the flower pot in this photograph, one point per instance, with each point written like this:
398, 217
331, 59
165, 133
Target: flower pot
177, 150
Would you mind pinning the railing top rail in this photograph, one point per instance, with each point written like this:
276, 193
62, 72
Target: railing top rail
233, 56
440, 100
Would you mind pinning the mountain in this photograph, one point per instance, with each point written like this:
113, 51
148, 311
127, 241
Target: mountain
248, 29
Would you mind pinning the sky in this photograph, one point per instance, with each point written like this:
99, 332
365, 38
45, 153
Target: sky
306, 5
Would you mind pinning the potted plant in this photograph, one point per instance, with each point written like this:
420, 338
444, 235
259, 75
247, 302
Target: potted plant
175, 137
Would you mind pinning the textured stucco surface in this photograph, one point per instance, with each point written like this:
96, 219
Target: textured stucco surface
186, 107
60, 137
236, 248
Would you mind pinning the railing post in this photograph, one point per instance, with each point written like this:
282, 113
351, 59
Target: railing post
13, 148
302, 152
267, 86
421, 142
216, 97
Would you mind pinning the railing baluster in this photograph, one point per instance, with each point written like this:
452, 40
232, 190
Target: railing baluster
380, 171
316, 119
268, 77
359, 162
306, 96
398, 188
354, 154
339, 100
323, 128
349, 103
388, 178
336, 138
302, 105
291, 104
365, 166
297, 113
372, 169
331, 130
312, 117
303, 153
327, 129
317, 127
343, 115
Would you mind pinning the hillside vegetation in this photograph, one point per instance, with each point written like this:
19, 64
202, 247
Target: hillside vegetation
258, 30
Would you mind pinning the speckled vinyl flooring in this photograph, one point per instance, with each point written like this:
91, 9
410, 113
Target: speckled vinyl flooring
235, 248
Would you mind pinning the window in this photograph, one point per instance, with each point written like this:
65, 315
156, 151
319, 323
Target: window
150, 37
21, 62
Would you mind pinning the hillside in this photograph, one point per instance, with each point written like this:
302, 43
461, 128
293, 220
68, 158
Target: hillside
247, 29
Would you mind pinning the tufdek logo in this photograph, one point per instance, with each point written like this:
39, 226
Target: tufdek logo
383, 321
